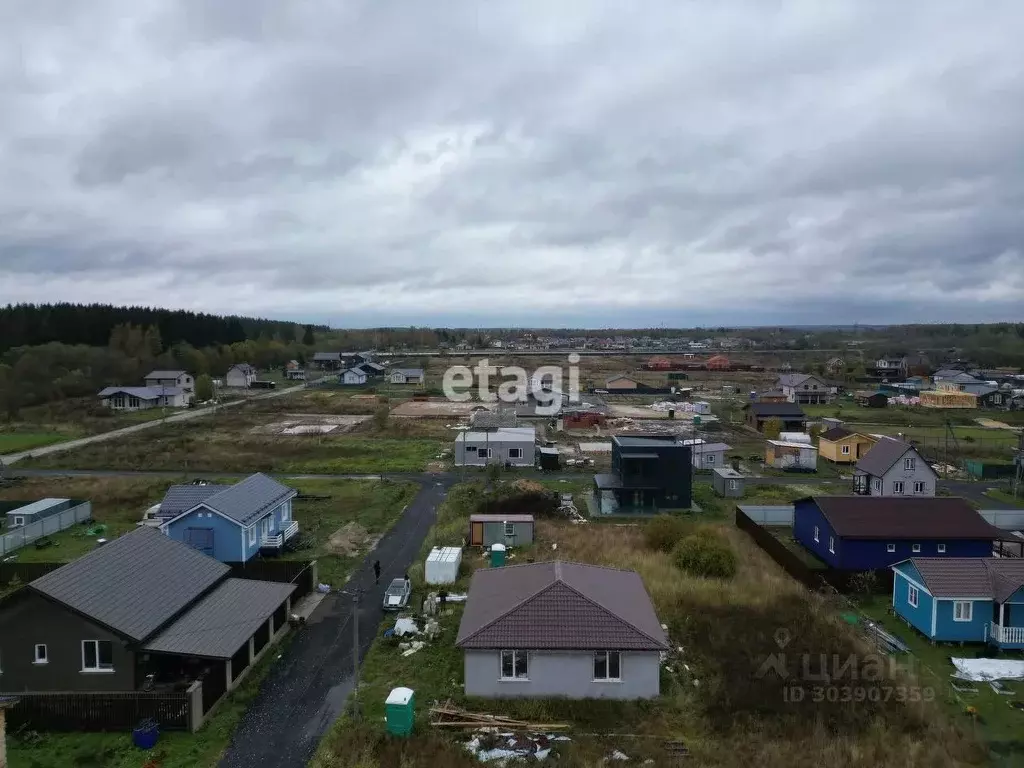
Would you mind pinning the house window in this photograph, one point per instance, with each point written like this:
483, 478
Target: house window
912, 595
918, 487
607, 666
832, 544
710, 458
890, 547
484, 453
733, 485
915, 548
877, 484
41, 655
18, 521
963, 610
941, 549
97, 656
510, 529
515, 453
815, 533
252, 535
514, 665
909, 464
846, 450
470, 449
286, 511
897, 488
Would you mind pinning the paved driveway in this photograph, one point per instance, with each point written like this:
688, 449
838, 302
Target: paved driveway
308, 688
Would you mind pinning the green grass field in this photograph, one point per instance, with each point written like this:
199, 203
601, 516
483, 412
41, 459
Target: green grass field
14, 442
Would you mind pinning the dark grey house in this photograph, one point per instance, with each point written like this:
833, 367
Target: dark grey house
560, 629
790, 415
728, 483
647, 474
141, 604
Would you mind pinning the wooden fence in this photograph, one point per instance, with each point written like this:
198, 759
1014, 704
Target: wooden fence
100, 711
813, 578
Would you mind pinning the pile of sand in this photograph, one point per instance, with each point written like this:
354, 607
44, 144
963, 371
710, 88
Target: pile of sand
350, 539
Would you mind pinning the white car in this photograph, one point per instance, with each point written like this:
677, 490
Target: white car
397, 596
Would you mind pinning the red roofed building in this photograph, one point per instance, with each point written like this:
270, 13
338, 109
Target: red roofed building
719, 363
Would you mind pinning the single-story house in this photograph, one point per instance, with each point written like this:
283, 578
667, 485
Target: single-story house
861, 533
510, 530
871, 399
328, 361
621, 383
353, 376
892, 467
140, 604
505, 445
962, 599
180, 379
142, 398
787, 454
406, 376
804, 388
707, 455
773, 396
240, 375
231, 523
558, 629
295, 374
790, 416
842, 446
727, 482
372, 370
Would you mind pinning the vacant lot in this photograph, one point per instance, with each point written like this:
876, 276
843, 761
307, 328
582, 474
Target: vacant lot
908, 416
14, 442
713, 697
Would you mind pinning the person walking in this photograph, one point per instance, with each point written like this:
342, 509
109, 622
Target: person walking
376, 571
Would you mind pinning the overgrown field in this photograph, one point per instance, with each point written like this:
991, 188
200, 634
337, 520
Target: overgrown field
716, 696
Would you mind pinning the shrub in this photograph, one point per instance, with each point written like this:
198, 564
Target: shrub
664, 532
705, 553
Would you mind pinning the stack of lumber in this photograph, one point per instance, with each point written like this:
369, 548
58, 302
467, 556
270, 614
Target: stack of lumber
448, 715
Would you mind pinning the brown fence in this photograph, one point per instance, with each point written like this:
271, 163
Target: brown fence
813, 578
301, 574
99, 711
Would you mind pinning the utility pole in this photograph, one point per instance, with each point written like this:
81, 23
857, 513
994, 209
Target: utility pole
1018, 475
355, 654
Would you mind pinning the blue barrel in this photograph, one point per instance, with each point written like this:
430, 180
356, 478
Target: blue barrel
146, 734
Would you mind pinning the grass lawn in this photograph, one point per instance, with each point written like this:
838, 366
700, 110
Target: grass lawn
1005, 497
202, 749
718, 704
14, 442
785, 535
998, 724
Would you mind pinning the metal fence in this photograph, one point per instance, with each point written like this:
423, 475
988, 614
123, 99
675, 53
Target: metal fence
115, 711
18, 537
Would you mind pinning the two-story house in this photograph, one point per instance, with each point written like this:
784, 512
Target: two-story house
892, 467
647, 474
240, 376
231, 523
181, 379
804, 389
164, 389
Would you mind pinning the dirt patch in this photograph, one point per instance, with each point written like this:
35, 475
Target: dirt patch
310, 424
350, 539
436, 466
437, 407
993, 424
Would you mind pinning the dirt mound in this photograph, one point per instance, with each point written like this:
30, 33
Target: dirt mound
350, 539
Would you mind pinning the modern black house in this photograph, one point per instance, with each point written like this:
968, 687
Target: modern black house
648, 475
790, 415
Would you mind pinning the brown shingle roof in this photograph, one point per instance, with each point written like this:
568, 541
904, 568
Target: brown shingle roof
836, 433
557, 605
992, 577
883, 454
895, 517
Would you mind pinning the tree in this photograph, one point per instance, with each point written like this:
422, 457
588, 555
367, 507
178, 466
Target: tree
380, 418
308, 337
772, 429
204, 388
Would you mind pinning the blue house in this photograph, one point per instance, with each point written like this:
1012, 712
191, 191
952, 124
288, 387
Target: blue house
962, 599
863, 533
231, 523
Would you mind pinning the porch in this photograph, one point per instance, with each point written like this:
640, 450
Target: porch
611, 496
277, 540
1006, 637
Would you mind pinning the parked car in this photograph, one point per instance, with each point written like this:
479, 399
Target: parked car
397, 596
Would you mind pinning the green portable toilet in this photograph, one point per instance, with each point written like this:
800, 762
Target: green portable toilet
399, 711
696, 421
497, 555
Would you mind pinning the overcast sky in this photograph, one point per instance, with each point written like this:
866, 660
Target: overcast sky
521, 163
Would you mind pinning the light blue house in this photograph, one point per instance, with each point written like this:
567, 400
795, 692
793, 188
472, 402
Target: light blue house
231, 523
962, 599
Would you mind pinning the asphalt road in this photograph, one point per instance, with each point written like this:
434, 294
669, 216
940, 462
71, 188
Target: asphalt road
308, 688
191, 413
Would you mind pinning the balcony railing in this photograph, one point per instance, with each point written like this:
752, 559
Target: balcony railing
277, 540
1007, 635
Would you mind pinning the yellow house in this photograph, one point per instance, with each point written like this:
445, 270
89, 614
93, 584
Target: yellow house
948, 398
841, 446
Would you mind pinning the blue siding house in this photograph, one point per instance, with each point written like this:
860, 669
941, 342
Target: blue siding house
962, 599
862, 533
231, 523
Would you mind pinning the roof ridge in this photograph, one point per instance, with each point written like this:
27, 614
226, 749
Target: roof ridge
516, 606
615, 615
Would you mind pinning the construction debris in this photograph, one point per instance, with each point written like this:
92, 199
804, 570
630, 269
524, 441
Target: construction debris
505, 748
406, 626
448, 715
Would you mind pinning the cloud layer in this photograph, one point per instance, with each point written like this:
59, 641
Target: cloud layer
517, 163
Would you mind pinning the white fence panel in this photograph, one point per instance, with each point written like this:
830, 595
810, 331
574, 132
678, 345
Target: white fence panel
48, 526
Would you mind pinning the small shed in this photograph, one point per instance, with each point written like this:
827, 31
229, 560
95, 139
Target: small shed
828, 423
442, 566
728, 482
548, 458
782, 454
510, 530
37, 510
400, 711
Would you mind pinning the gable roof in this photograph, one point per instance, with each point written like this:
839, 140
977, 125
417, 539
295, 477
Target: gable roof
356, 371
776, 409
244, 367
559, 605
994, 577
903, 517
249, 499
408, 371
883, 455
134, 584
181, 498
219, 624
796, 379
143, 393
165, 374
836, 433
327, 355
620, 377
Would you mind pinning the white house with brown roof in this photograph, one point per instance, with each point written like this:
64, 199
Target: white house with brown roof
560, 629
892, 467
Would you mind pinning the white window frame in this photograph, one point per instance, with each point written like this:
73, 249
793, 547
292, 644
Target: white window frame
832, 544
915, 548
941, 549
912, 596
17, 521
897, 487
516, 657
918, 486
963, 610
816, 533
40, 658
252, 535
845, 450
909, 464
286, 511
608, 666
733, 485
709, 458
515, 453
876, 484
510, 529
890, 547
484, 453
99, 668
